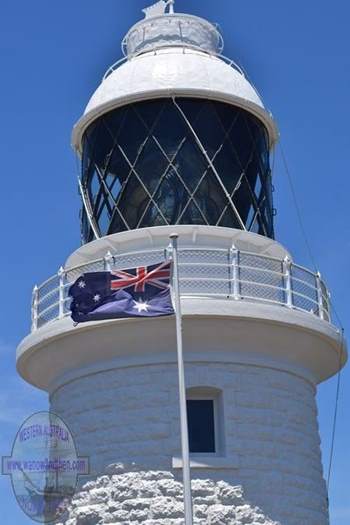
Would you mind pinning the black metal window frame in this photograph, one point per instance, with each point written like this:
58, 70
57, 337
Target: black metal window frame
183, 161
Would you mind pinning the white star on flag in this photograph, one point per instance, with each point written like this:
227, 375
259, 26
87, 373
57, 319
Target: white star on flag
141, 306
82, 284
97, 297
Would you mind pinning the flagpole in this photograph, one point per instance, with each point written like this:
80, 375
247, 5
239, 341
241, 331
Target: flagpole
182, 389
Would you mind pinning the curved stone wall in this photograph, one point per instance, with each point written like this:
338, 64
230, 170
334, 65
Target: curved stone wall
270, 443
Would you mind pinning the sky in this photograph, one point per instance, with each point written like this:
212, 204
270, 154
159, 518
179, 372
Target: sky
54, 54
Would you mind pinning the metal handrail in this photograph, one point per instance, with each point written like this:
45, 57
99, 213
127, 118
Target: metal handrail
278, 287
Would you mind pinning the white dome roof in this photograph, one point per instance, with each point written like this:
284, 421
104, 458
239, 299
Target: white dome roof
173, 71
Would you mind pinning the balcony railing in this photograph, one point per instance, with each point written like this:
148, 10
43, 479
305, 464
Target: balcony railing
211, 273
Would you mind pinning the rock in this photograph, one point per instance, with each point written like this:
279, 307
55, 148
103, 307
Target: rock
89, 517
140, 497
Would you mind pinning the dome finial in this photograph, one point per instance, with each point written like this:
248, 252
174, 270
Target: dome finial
171, 6
158, 9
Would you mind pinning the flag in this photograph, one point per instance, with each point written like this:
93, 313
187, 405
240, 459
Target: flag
136, 292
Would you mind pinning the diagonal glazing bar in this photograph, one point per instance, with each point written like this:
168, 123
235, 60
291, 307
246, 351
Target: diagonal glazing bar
102, 199
125, 182
263, 180
115, 137
206, 171
141, 182
108, 193
257, 153
228, 139
211, 164
256, 205
157, 187
192, 197
236, 188
252, 194
101, 173
131, 168
256, 215
171, 163
93, 202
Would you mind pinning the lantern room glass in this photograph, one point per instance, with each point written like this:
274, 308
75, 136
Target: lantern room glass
191, 161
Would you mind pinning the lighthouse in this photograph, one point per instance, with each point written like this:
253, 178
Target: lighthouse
176, 140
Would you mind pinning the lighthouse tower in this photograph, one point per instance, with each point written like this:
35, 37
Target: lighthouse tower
177, 140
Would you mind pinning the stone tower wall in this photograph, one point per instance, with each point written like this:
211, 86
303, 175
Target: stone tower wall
270, 448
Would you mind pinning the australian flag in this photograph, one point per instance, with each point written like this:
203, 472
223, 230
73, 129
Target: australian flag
137, 292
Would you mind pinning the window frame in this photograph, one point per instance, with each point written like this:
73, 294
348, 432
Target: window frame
201, 393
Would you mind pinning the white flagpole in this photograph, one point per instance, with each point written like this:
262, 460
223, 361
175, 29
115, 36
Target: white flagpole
182, 389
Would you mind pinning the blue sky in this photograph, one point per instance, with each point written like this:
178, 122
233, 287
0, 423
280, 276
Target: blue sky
53, 55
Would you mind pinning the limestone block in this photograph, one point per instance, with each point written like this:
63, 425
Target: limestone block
127, 422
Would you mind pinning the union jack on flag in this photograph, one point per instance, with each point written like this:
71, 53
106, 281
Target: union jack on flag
138, 279
137, 292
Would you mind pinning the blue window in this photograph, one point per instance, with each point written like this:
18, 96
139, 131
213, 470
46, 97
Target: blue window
201, 425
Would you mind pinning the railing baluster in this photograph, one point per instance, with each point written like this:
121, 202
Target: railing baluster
107, 261
328, 309
235, 272
229, 272
35, 301
287, 273
319, 295
61, 298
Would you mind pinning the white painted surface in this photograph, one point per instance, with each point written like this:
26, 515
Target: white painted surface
214, 330
176, 30
173, 72
131, 416
208, 462
189, 235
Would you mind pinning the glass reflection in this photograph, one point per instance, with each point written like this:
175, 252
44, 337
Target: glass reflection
142, 166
